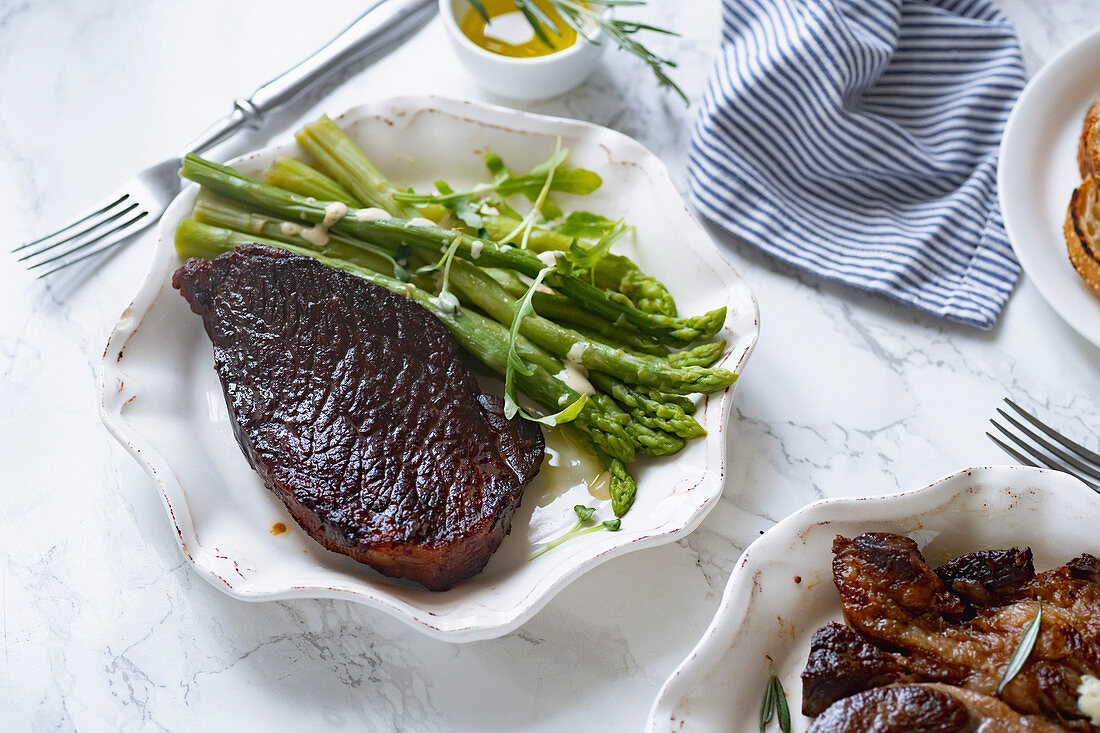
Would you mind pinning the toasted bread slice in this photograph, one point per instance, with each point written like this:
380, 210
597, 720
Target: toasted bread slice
1088, 145
1082, 230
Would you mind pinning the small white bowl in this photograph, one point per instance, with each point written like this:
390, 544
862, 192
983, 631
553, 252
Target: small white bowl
527, 79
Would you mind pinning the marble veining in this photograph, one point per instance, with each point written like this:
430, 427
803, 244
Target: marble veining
104, 625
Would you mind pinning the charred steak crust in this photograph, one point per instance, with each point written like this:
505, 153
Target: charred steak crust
988, 576
842, 663
909, 709
354, 406
926, 708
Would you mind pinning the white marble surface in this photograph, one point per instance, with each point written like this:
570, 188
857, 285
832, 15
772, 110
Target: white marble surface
104, 627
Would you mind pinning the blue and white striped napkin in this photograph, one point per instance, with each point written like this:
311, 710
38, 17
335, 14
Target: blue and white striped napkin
858, 139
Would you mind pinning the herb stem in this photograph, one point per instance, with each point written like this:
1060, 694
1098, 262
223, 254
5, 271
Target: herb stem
1023, 650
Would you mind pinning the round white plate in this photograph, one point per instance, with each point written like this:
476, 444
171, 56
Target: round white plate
1037, 175
161, 398
764, 611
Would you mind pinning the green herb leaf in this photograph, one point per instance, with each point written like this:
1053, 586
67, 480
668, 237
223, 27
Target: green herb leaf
480, 8
496, 167
774, 703
513, 363
767, 706
585, 224
585, 258
613, 525
462, 206
1023, 650
584, 512
782, 712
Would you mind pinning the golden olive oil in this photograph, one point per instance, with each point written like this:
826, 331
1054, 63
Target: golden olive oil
502, 35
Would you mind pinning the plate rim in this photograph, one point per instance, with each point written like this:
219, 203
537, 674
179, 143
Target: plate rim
113, 397
694, 667
1015, 138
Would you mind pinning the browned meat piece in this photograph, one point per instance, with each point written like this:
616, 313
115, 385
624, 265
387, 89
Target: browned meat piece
1075, 589
355, 408
988, 576
842, 663
901, 605
926, 708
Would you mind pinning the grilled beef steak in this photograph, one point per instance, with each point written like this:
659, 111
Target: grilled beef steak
354, 406
842, 663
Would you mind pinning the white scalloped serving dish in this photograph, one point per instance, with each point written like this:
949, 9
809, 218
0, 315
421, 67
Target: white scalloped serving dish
161, 398
766, 612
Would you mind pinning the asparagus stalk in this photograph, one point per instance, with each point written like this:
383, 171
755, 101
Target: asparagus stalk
654, 372
433, 239
656, 414
561, 309
344, 160
612, 272
347, 163
293, 175
621, 484
702, 355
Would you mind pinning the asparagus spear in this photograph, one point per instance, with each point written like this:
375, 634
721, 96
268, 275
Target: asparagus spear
612, 272
293, 175
621, 484
702, 355
654, 372
348, 164
657, 414
434, 239
343, 159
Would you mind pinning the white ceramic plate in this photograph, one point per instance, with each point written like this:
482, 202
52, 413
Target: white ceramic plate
1037, 175
765, 612
161, 398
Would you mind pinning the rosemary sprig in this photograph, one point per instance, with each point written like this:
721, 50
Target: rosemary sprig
774, 703
582, 15
1023, 650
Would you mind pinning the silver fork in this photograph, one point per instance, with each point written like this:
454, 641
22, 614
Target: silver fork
142, 199
1043, 446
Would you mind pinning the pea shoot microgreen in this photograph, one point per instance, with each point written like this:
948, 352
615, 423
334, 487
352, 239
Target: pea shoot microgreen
584, 516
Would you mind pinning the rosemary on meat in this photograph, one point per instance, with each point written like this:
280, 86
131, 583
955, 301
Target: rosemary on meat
1023, 650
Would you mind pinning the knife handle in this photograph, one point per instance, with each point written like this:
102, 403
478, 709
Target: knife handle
384, 22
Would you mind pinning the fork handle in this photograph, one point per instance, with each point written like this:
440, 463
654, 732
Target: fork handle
383, 22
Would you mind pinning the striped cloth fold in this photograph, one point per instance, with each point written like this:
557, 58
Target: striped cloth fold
858, 139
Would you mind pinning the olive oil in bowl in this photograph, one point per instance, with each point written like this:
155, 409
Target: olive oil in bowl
509, 34
507, 57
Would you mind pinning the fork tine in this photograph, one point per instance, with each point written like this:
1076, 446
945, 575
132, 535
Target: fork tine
1011, 451
89, 232
1075, 447
1068, 458
1037, 455
113, 238
95, 212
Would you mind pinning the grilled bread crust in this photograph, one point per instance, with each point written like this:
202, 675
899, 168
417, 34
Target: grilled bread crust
1082, 231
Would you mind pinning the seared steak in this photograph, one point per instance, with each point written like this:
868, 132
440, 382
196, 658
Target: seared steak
354, 406
842, 663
